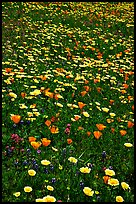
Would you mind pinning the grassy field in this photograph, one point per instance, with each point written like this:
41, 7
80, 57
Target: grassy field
67, 102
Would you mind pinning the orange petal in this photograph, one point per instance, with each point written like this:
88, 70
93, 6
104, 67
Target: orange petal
97, 134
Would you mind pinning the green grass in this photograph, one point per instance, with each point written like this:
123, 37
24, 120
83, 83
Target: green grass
88, 41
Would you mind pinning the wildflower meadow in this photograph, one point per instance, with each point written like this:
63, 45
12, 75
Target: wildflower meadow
67, 102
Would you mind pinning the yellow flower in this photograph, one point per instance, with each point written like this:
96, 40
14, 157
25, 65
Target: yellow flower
30, 114
60, 167
49, 198
125, 186
36, 113
128, 144
17, 194
31, 172
22, 106
105, 110
86, 114
56, 150
113, 182
72, 159
50, 188
96, 192
109, 172
85, 170
112, 114
27, 189
13, 95
119, 199
36, 92
88, 191
59, 104
45, 162
39, 200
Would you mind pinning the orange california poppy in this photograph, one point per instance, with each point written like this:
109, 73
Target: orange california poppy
23, 94
105, 179
83, 93
96, 81
130, 98
123, 91
126, 77
81, 105
125, 86
80, 128
43, 78
56, 96
54, 129
77, 117
97, 134
133, 107
123, 132
99, 89
32, 139
111, 101
48, 123
21, 70
130, 124
36, 145
45, 142
86, 82
69, 141
112, 129
100, 126
88, 133
16, 118
119, 119
8, 70
86, 88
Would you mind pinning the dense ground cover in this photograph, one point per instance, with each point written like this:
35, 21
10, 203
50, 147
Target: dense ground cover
67, 102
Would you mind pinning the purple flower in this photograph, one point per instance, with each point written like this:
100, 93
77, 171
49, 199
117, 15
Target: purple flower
53, 180
110, 167
103, 154
38, 151
67, 131
68, 125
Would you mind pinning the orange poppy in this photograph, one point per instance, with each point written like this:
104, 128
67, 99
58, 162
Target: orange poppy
54, 129
130, 98
97, 134
81, 105
112, 129
48, 123
68, 77
23, 94
125, 86
80, 128
99, 89
123, 132
16, 118
105, 179
45, 142
32, 139
77, 117
100, 126
119, 119
123, 91
86, 81
73, 94
96, 81
8, 70
83, 93
86, 88
111, 101
130, 124
69, 141
48, 93
88, 133
133, 107
43, 78
21, 70
36, 145
126, 77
